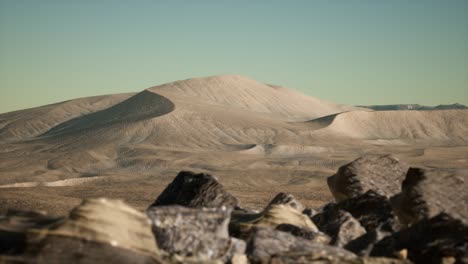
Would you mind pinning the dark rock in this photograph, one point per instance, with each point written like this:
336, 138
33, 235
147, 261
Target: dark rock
428, 192
309, 212
273, 215
340, 225
196, 190
363, 245
196, 232
306, 258
14, 226
371, 210
381, 173
265, 243
317, 237
287, 199
433, 240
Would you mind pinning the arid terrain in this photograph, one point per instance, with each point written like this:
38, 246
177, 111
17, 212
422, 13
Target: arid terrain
258, 139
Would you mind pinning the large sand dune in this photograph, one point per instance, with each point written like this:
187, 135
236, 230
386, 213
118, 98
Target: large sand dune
258, 139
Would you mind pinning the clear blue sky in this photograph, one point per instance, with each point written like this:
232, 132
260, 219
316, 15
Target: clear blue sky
348, 51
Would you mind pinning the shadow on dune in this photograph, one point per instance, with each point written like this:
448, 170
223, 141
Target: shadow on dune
144, 105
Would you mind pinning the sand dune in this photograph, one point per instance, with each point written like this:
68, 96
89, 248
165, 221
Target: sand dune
447, 126
257, 138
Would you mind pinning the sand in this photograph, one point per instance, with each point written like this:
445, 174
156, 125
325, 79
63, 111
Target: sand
257, 139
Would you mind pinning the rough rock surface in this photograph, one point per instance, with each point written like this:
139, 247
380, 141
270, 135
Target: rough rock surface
273, 215
98, 230
429, 241
428, 192
371, 210
340, 225
381, 173
196, 190
306, 258
198, 232
363, 245
317, 237
267, 242
287, 199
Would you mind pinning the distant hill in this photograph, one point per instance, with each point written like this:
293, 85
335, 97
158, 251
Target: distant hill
414, 107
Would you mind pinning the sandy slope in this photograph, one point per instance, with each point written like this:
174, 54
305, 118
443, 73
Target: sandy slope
258, 139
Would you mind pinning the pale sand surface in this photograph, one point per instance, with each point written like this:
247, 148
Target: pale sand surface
257, 139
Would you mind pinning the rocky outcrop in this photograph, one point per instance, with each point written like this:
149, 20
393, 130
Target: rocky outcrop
435, 240
371, 210
98, 230
196, 190
340, 225
380, 173
428, 192
282, 209
193, 232
317, 237
286, 199
265, 243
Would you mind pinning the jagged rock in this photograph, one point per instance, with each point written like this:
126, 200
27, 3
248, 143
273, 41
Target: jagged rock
341, 226
265, 243
433, 240
199, 232
196, 190
14, 225
317, 237
381, 173
428, 192
98, 230
273, 215
286, 199
371, 210
309, 212
306, 258
363, 245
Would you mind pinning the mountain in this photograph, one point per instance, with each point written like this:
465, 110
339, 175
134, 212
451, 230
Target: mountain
414, 107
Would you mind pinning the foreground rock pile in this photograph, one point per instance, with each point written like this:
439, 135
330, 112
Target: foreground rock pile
384, 212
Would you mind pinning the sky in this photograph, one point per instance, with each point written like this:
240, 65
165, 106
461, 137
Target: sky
350, 51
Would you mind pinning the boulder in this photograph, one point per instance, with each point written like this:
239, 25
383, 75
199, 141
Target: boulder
97, 231
428, 192
196, 190
194, 232
264, 243
306, 258
435, 240
340, 225
273, 215
317, 237
371, 209
286, 199
380, 173
363, 245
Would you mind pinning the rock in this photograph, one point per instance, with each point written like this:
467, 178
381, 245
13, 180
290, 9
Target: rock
98, 230
317, 237
306, 258
340, 225
15, 224
363, 245
433, 240
194, 232
272, 216
381, 173
309, 212
371, 210
286, 199
196, 190
428, 192
264, 243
